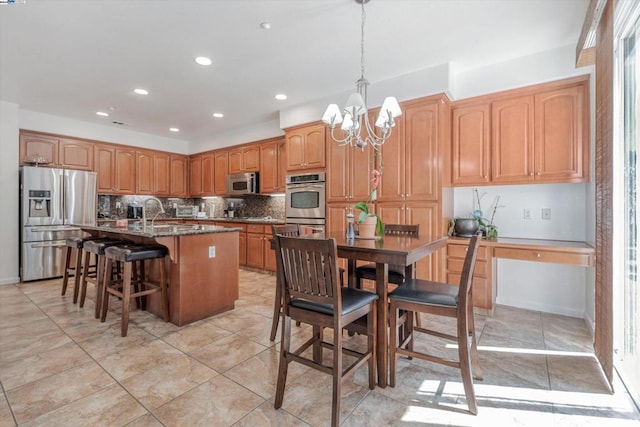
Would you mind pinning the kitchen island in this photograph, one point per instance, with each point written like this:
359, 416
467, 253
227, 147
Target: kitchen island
203, 269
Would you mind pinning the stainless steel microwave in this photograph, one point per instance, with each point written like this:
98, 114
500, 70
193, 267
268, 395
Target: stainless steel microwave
243, 183
186, 211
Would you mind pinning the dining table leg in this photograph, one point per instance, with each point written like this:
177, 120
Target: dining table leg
382, 271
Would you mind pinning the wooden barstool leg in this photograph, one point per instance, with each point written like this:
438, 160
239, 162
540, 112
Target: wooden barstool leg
100, 277
85, 274
65, 279
126, 296
105, 285
76, 278
277, 308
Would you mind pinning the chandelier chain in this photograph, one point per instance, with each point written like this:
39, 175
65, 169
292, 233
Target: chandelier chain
362, 41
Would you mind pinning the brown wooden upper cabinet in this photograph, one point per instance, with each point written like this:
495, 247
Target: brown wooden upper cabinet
271, 171
221, 169
179, 180
55, 151
306, 147
201, 175
348, 172
153, 173
471, 144
116, 169
244, 159
411, 162
537, 134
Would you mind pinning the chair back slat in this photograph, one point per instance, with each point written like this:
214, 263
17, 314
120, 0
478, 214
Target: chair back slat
286, 230
401, 229
307, 269
466, 277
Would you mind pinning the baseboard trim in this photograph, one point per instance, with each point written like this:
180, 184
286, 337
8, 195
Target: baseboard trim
10, 281
546, 308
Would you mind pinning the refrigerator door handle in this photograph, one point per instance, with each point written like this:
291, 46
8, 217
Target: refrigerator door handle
49, 245
49, 228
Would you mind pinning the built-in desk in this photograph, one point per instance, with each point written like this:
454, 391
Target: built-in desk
484, 276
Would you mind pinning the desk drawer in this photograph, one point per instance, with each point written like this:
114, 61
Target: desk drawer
482, 291
460, 251
544, 256
454, 265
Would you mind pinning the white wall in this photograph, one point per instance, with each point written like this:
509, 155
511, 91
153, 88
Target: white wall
9, 193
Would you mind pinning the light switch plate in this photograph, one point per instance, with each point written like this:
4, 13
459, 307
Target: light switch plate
546, 213
212, 251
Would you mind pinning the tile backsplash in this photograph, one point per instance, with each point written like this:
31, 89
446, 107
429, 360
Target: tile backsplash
215, 207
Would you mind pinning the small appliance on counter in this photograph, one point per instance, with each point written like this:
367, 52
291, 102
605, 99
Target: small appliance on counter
186, 211
134, 211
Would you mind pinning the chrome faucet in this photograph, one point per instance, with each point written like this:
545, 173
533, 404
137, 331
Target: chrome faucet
144, 212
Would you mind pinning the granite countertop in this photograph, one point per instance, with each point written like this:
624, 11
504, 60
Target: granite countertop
161, 230
260, 220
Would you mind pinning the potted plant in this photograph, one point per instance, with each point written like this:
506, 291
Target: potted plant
367, 219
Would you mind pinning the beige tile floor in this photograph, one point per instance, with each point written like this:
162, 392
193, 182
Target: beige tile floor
60, 366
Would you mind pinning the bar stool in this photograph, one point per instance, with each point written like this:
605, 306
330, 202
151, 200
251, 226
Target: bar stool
78, 244
97, 248
129, 255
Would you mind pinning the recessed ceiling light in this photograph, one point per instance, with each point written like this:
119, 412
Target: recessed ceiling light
218, 115
203, 60
174, 129
281, 97
102, 113
141, 91
265, 25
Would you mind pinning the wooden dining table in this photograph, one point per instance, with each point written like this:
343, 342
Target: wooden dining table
396, 250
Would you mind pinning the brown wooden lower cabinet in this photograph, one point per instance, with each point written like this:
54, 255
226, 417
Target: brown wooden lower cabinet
484, 284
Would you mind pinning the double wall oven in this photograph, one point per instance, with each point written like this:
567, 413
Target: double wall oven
305, 200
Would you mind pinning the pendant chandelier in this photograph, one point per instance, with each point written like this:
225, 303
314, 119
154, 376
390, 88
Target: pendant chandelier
355, 122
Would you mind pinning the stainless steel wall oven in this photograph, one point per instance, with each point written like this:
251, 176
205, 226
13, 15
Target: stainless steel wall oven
305, 200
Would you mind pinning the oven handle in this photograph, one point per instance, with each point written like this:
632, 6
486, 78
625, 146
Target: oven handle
299, 186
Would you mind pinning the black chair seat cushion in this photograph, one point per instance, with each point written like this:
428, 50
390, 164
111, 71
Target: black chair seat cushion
368, 271
352, 299
426, 292
133, 252
98, 247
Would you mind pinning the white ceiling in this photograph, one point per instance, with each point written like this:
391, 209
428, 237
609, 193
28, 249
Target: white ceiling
73, 58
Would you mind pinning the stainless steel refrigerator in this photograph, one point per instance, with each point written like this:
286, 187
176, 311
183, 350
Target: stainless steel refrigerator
54, 203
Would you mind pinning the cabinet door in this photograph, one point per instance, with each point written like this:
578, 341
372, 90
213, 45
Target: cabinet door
314, 147
179, 180
337, 222
144, 172
235, 161
195, 176
105, 166
269, 168
208, 168
338, 172
561, 136
221, 160
255, 250
74, 154
282, 164
161, 174
295, 151
421, 156
34, 146
242, 247
392, 182
269, 254
125, 171
251, 158
470, 145
427, 215
391, 212
512, 148
360, 168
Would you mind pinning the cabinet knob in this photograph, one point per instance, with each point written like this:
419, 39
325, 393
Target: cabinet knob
537, 254
538, 173
530, 173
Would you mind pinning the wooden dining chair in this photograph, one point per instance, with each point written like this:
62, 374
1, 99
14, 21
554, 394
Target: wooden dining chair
422, 296
312, 294
287, 230
396, 272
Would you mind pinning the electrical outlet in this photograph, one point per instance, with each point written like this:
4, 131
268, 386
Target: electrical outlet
212, 251
118, 205
526, 213
175, 205
546, 213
